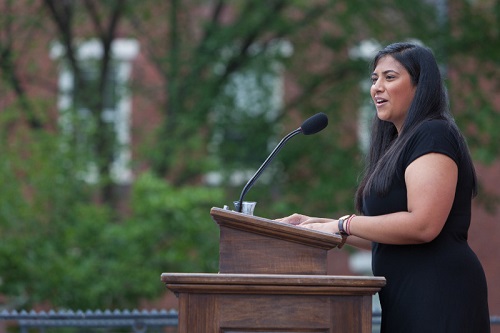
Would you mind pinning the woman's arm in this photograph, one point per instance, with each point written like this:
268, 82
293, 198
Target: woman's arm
358, 242
431, 182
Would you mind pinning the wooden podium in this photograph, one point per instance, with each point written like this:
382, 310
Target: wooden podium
272, 279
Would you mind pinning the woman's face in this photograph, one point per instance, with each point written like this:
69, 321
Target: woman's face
392, 91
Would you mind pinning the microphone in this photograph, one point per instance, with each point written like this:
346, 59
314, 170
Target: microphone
311, 125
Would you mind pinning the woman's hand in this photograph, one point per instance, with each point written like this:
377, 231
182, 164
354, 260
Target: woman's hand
314, 223
324, 225
295, 219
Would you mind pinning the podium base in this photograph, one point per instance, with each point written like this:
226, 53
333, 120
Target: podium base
243, 303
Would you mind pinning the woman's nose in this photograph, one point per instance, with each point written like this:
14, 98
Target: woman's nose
377, 86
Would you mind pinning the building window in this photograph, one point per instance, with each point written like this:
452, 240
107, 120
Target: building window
75, 112
245, 114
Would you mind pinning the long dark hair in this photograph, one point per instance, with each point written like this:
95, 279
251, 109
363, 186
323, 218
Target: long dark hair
430, 102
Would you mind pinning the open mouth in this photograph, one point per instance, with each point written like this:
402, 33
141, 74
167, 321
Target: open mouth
380, 101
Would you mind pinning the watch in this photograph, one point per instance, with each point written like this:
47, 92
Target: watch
342, 219
342, 231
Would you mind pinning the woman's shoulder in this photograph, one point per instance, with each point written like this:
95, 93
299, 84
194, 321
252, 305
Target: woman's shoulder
435, 126
433, 135
436, 129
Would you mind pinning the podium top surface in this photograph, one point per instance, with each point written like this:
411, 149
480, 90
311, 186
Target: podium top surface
273, 283
271, 228
270, 279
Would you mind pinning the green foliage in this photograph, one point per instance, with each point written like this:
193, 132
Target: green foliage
60, 244
176, 223
220, 132
474, 57
39, 194
61, 247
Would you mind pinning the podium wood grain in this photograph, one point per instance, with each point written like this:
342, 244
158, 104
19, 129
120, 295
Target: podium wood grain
272, 279
251, 244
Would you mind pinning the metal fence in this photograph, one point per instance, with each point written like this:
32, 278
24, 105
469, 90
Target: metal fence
93, 321
109, 321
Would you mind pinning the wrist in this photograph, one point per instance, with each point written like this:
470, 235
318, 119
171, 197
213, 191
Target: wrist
342, 229
348, 224
342, 225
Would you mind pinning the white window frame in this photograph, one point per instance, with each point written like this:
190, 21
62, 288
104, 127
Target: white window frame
124, 51
244, 87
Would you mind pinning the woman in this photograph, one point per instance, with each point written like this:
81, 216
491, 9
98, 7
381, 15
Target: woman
415, 202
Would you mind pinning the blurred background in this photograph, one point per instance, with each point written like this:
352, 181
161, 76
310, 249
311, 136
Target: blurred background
123, 122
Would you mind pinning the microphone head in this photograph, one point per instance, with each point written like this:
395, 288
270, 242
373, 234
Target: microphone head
314, 124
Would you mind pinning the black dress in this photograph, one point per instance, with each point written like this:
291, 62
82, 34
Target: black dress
438, 286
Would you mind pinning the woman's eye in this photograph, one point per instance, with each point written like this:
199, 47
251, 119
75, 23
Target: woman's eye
373, 79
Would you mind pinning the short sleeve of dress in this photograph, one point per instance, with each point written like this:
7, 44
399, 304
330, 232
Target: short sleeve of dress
433, 136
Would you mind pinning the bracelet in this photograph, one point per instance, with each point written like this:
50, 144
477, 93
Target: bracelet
348, 224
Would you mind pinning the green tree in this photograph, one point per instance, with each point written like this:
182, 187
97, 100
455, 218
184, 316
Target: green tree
58, 246
200, 61
474, 58
90, 91
472, 54
65, 240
